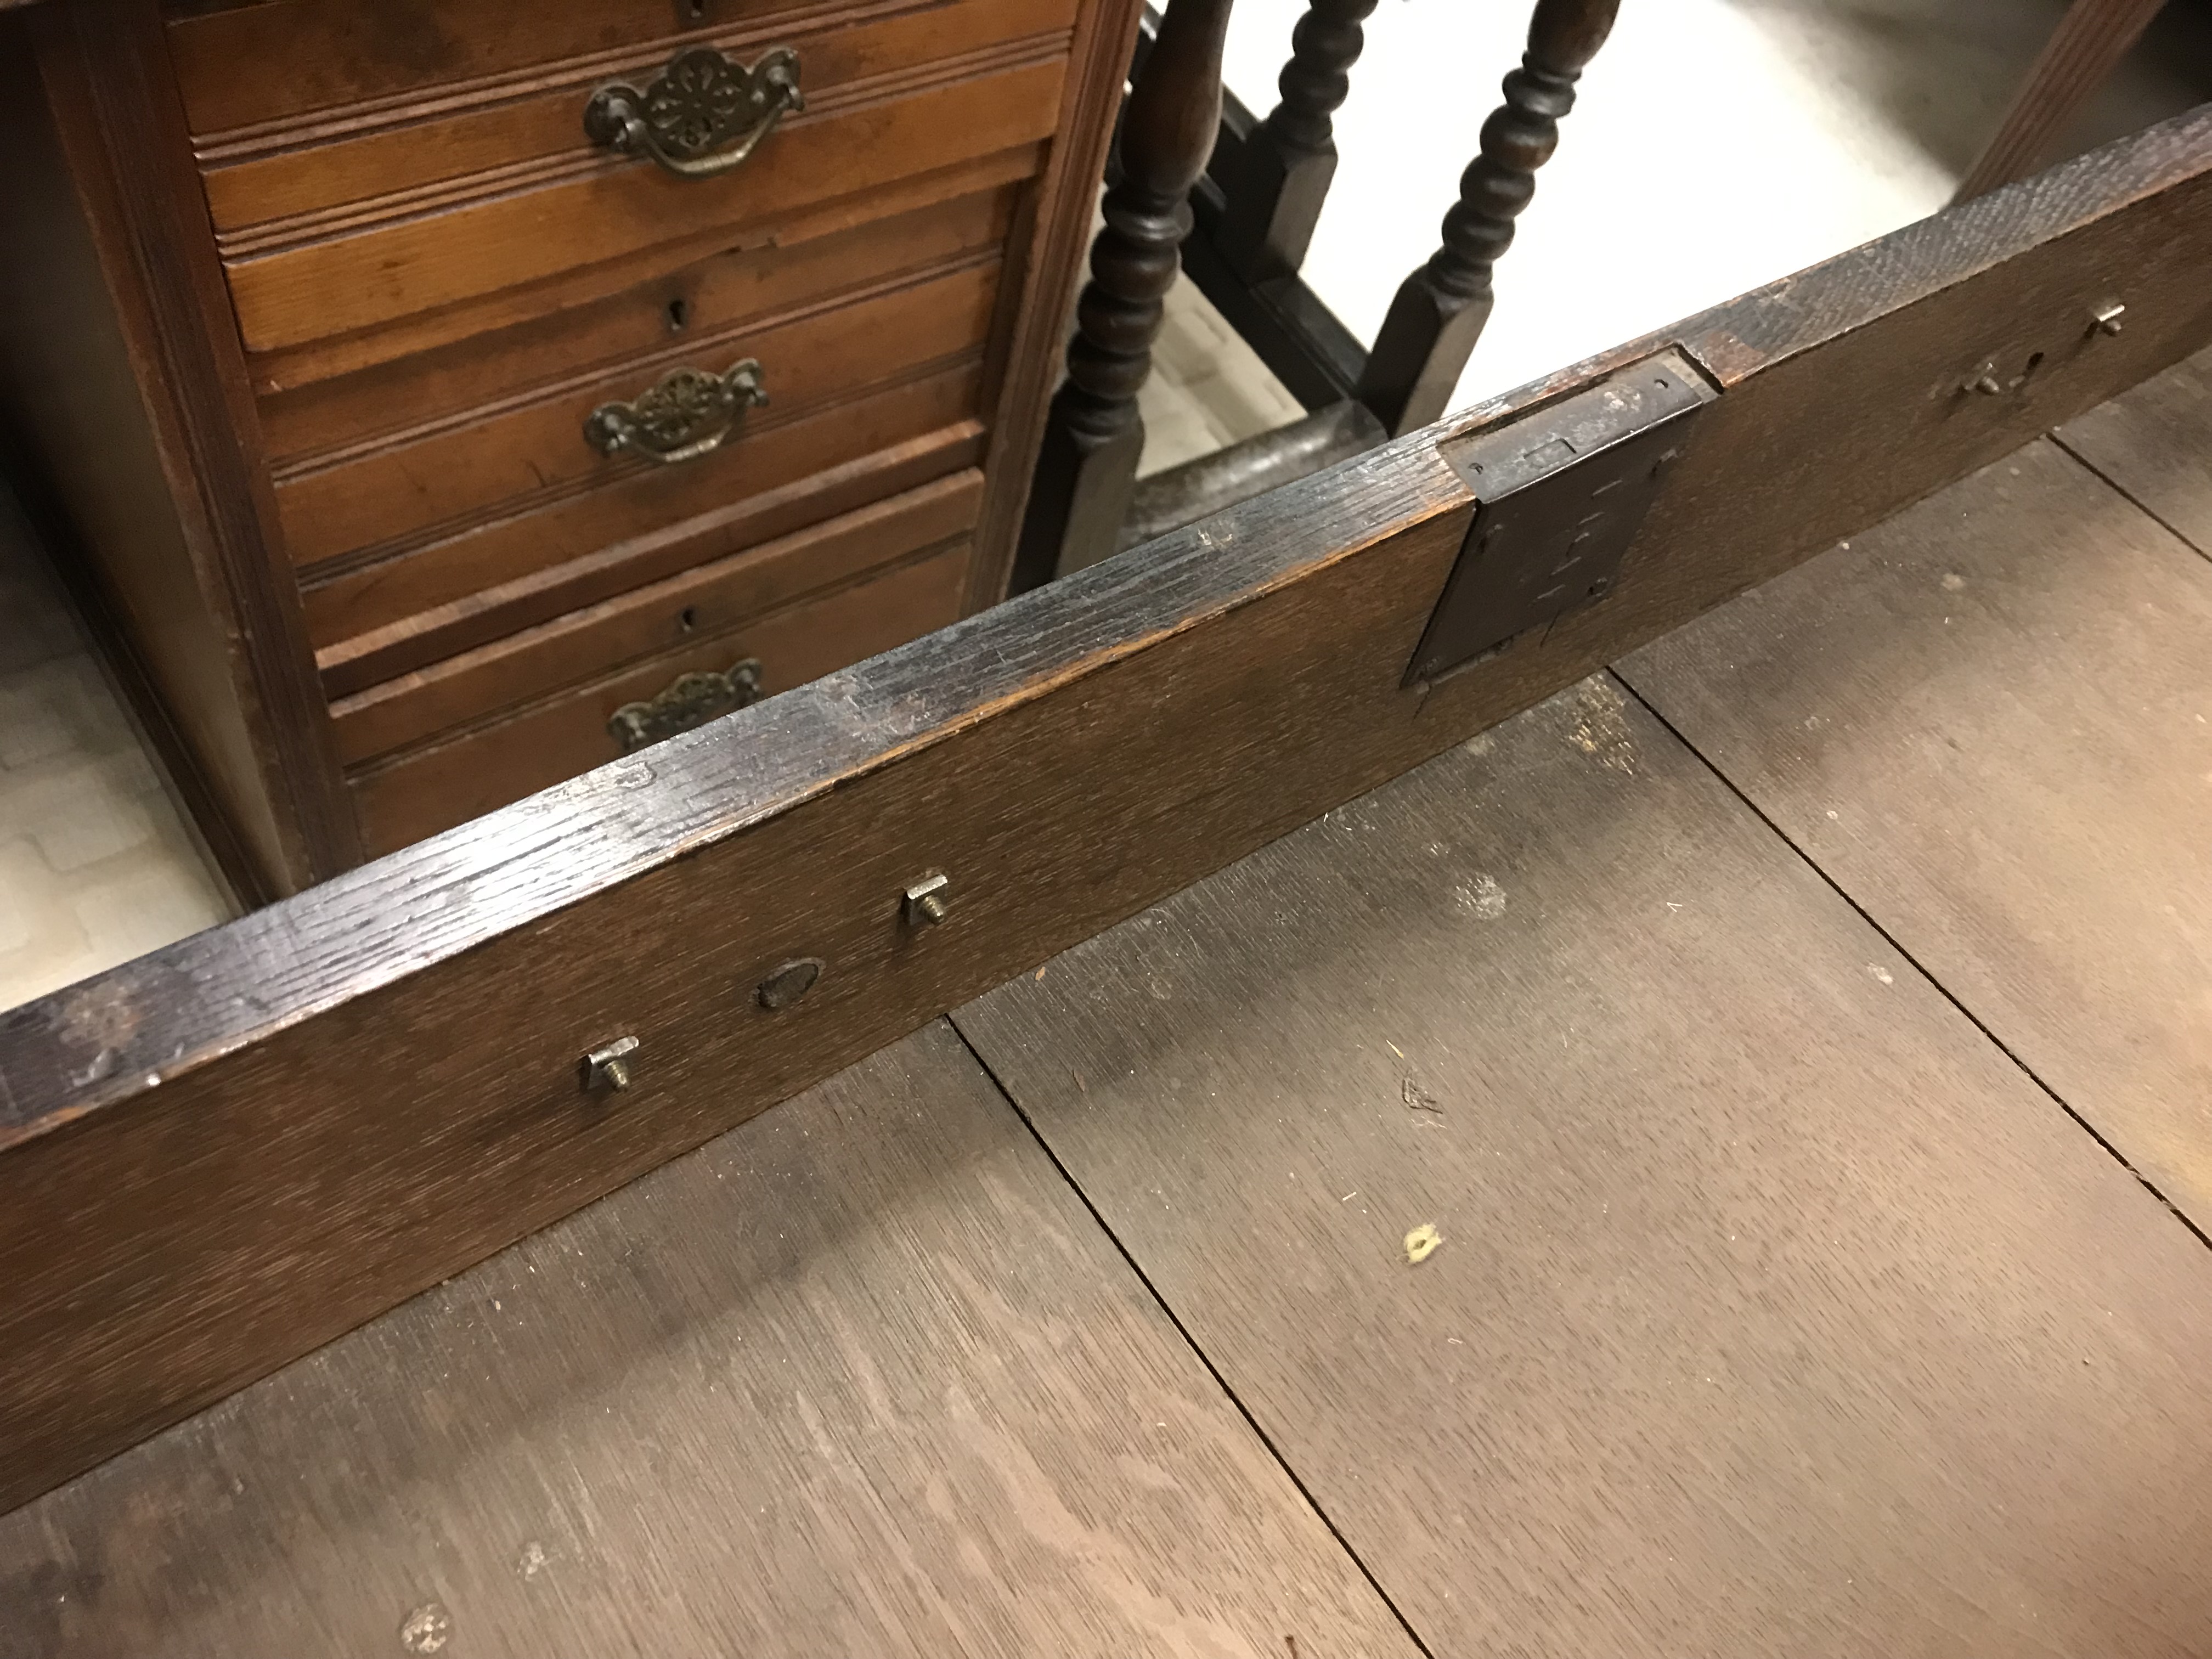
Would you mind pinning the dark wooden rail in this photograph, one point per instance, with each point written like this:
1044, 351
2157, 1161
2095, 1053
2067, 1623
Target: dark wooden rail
2086, 47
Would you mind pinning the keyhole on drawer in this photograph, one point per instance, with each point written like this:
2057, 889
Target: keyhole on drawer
696, 9
679, 313
687, 618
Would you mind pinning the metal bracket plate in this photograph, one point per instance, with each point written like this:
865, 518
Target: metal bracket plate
1560, 495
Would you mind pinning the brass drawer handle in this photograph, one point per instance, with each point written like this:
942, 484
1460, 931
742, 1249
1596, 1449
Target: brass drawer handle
690, 700
701, 103
683, 416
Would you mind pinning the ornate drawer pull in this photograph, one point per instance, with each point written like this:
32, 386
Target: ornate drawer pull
691, 700
697, 105
683, 416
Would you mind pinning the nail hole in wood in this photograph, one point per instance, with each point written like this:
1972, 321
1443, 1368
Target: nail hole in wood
788, 983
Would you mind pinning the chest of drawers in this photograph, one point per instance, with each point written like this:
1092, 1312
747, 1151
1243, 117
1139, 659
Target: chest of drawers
436, 399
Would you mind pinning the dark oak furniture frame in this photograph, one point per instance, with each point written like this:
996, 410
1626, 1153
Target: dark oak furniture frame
1242, 213
1195, 174
2085, 48
220, 1156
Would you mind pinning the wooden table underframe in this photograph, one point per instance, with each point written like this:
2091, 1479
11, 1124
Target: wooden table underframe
1786, 1295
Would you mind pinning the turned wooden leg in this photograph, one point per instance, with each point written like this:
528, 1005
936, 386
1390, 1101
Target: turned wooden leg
1439, 311
1088, 467
1283, 170
2086, 46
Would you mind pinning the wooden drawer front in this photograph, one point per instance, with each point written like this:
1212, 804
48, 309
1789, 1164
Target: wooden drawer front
489, 461
260, 182
421, 793
264, 62
330, 280
572, 291
351, 602
493, 613
705, 603
304, 418
249, 65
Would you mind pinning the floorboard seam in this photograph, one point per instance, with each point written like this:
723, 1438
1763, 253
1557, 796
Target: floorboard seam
1182, 1330
2058, 440
1918, 967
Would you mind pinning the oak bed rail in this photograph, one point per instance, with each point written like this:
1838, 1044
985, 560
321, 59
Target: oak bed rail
221, 1155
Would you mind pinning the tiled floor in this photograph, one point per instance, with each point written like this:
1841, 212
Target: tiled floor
1208, 388
1864, 114
95, 864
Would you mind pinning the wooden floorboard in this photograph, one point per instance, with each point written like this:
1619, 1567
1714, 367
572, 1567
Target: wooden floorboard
1990, 720
859, 1379
2156, 444
1776, 1309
